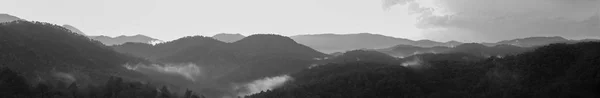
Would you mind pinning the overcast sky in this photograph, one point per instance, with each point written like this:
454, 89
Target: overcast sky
441, 20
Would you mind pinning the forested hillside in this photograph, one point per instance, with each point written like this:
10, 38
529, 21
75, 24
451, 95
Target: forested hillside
556, 70
41, 50
42, 60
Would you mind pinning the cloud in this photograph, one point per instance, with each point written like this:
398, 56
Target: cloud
493, 20
264, 84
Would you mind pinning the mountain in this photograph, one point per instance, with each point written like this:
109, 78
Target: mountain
555, 70
8, 18
163, 50
360, 55
73, 29
124, 39
254, 52
223, 64
46, 52
230, 38
330, 43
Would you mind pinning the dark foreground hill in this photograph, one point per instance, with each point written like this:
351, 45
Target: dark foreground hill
42, 60
47, 51
556, 70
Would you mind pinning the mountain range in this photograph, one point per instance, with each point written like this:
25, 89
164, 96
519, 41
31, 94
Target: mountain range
50, 53
107, 40
555, 70
222, 64
232, 65
331, 43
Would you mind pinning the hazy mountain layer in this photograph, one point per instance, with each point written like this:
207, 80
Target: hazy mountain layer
49, 52
330, 43
8, 18
124, 39
73, 29
228, 37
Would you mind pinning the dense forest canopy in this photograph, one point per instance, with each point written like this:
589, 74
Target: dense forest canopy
556, 70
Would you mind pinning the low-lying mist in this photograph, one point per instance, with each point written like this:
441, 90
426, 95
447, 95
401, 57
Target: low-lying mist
256, 86
189, 71
194, 77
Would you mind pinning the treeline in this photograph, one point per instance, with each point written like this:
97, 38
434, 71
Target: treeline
14, 85
556, 70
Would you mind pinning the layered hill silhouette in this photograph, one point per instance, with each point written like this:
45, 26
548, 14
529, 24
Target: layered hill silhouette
251, 58
225, 37
263, 53
556, 70
48, 52
107, 40
330, 43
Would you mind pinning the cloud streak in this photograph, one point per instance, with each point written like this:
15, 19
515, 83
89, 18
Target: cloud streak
189, 71
264, 84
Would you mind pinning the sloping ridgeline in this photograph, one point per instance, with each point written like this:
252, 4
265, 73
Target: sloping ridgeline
44, 50
222, 64
556, 70
42, 60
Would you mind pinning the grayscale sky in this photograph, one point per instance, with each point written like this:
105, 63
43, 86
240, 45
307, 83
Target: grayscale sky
441, 20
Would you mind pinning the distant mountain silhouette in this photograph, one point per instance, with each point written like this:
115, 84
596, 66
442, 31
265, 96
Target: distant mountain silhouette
8, 18
228, 37
262, 55
47, 52
163, 50
73, 29
124, 39
329, 43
